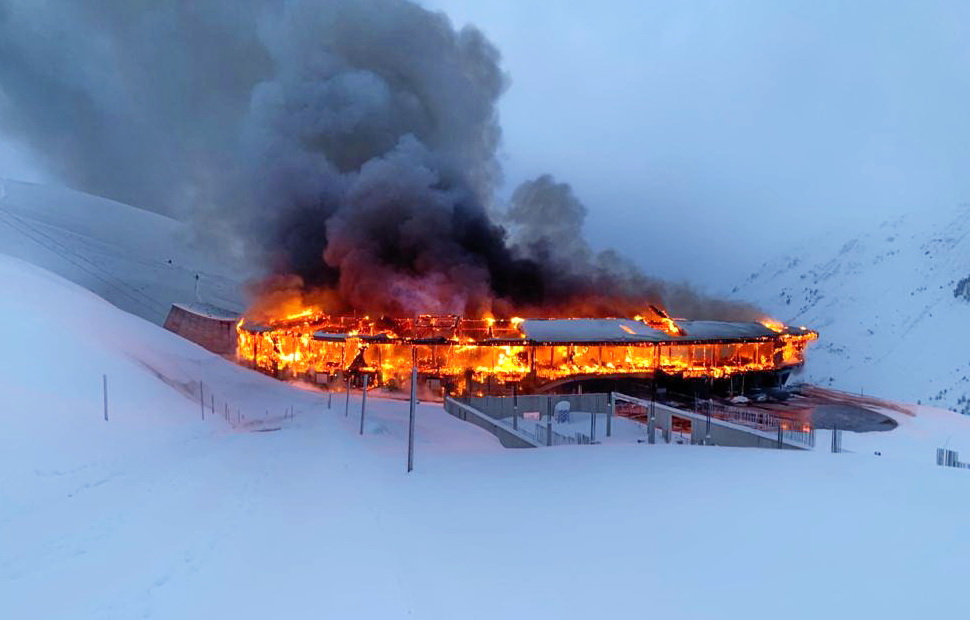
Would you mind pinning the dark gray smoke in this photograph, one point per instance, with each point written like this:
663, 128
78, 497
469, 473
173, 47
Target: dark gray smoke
140, 102
546, 219
351, 143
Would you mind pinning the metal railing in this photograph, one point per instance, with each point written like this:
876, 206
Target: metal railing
949, 458
805, 438
558, 439
508, 414
755, 419
765, 425
759, 420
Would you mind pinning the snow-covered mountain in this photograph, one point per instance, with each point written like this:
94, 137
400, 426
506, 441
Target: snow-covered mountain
892, 305
138, 260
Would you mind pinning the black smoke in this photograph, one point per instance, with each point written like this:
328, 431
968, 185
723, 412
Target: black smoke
350, 143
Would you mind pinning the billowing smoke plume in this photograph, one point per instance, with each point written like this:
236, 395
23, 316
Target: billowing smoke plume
545, 221
351, 143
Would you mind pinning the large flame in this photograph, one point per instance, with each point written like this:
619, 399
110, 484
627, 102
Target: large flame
464, 354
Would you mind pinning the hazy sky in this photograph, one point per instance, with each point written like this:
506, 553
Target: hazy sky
704, 136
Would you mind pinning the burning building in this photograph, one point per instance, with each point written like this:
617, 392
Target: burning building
356, 167
477, 356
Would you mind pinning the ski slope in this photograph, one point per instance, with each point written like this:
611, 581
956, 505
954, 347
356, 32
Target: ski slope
138, 260
159, 514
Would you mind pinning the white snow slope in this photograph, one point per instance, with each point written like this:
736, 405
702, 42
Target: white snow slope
140, 261
888, 303
159, 514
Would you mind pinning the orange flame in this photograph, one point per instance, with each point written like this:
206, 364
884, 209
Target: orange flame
773, 324
465, 353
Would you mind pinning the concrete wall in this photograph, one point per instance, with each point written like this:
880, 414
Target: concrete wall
216, 335
506, 436
725, 436
483, 410
502, 407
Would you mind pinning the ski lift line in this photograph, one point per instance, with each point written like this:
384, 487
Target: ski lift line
64, 252
159, 307
118, 286
120, 283
67, 250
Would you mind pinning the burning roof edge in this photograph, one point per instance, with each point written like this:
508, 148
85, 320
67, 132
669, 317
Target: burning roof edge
593, 331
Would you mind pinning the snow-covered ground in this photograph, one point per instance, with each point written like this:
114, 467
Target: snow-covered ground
891, 304
157, 513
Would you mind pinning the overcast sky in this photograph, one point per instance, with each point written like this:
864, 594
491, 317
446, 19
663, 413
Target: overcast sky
704, 136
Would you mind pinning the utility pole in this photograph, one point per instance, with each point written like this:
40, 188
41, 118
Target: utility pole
652, 420
515, 407
609, 415
414, 402
363, 404
651, 426
707, 437
104, 389
347, 402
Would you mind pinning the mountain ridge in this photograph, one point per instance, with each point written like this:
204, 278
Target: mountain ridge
890, 304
